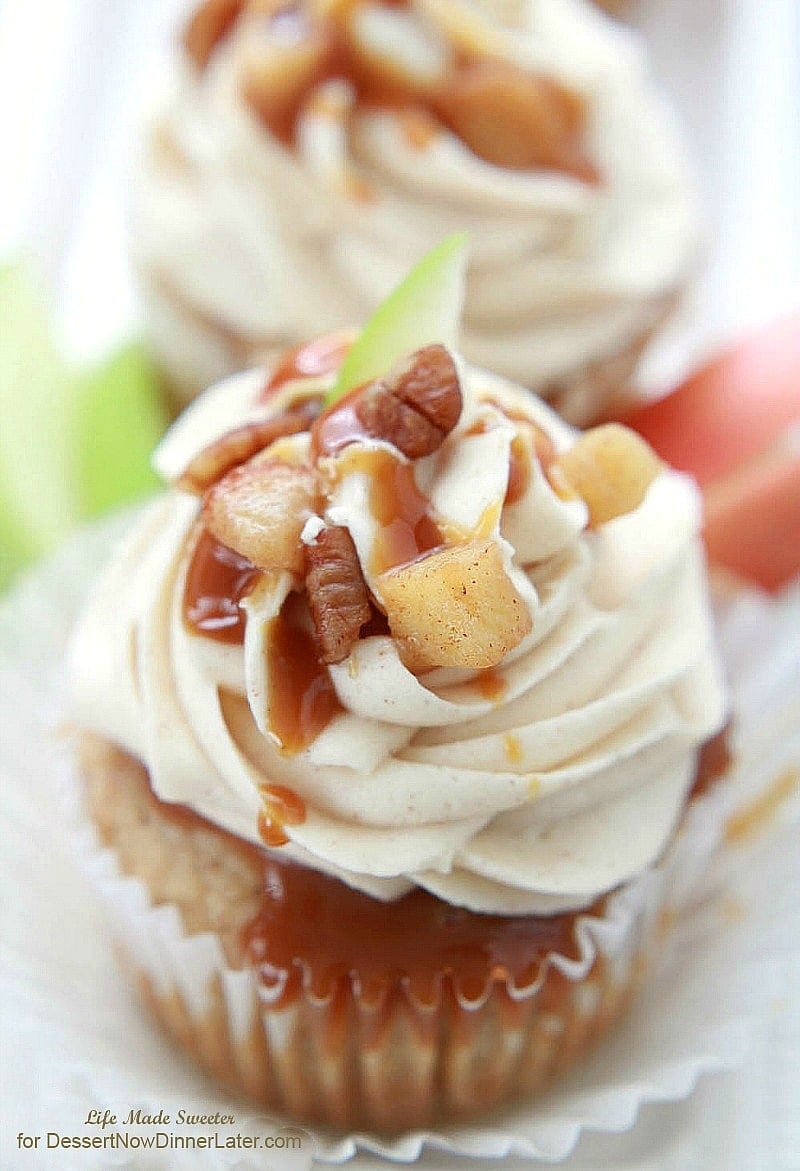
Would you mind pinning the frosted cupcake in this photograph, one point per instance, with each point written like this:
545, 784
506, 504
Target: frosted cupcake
392, 709
308, 154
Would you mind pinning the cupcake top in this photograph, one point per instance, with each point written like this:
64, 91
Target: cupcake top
310, 149
425, 634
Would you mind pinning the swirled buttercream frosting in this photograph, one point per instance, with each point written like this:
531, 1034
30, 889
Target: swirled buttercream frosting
309, 152
426, 635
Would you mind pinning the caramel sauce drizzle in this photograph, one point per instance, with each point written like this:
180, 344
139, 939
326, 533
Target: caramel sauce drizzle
529, 435
346, 938
341, 933
217, 581
302, 700
337, 427
314, 359
491, 684
519, 471
406, 527
282, 807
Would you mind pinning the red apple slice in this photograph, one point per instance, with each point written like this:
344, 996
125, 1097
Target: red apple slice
730, 426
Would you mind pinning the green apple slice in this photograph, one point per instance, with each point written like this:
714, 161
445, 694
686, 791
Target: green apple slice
118, 417
38, 503
424, 308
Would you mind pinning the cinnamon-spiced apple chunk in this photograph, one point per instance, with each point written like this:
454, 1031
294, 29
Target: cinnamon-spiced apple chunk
455, 607
259, 510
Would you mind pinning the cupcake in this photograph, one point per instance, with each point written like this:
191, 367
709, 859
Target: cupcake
308, 153
393, 711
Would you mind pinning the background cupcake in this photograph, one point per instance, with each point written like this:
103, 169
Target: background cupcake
307, 154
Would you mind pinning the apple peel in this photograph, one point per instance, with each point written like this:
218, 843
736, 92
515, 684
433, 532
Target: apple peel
424, 308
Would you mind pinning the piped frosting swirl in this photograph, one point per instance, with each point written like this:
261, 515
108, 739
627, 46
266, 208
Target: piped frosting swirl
526, 773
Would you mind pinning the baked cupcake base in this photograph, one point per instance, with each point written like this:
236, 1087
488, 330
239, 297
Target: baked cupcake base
335, 1057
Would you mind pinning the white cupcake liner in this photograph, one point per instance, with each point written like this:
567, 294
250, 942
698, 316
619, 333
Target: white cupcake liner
69, 1017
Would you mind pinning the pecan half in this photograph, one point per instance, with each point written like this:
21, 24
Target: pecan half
337, 593
241, 444
417, 405
259, 508
211, 22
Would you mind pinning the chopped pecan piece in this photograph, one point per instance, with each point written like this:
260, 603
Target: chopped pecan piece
241, 444
211, 22
384, 416
259, 508
515, 119
337, 593
416, 405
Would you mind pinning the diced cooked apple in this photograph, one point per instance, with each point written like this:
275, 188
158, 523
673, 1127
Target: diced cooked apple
455, 607
610, 467
259, 510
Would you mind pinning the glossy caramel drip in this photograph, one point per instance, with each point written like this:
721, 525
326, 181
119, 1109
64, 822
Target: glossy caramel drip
302, 700
713, 762
406, 528
491, 684
341, 934
337, 427
314, 359
519, 471
218, 579
529, 435
282, 807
